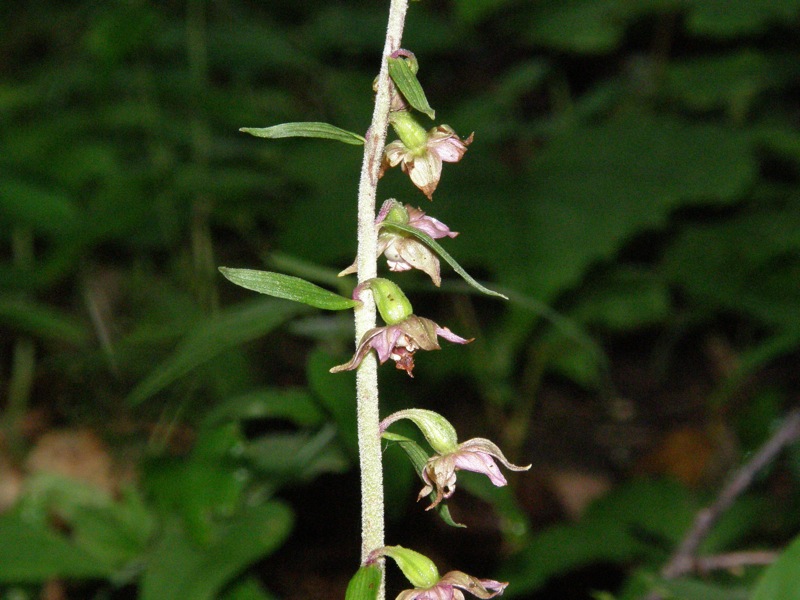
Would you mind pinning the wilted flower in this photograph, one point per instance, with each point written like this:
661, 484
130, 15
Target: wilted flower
439, 474
428, 585
402, 250
400, 341
450, 585
420, 153
476, 455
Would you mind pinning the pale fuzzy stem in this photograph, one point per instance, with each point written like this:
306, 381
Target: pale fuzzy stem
369, 444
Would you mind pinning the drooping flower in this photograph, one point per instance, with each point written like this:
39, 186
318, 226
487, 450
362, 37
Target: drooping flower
477, 455
402, 250
422, 573
450, 585
399, 342
439, 473
404, 332
420, 153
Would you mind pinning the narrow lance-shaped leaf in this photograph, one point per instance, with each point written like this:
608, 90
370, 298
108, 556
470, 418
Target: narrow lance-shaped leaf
365, 584
434, 245
408, 84
312, 130
419, 459
288, 287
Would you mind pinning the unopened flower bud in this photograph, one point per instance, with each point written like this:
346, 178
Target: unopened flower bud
428, 585
394, 212
420, 570
413, 135
392, 303
441, 435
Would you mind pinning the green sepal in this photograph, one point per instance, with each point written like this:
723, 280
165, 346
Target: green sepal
420, 570
408, 84
434, 245
288, 287
312, 130
365, 584
419, 459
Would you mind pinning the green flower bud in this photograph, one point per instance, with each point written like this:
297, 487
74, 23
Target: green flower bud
441, 435
397, 213
364, 584
413, 135
390, 300
418, 568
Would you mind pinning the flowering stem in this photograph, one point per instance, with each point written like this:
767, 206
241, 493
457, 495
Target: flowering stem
372, 509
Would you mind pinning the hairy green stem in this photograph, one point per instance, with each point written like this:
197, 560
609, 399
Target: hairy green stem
372, 510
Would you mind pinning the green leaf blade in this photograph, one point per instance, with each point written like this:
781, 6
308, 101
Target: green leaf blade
782, 578
287, 287
31, 553
233, 326
408, 84
311, 130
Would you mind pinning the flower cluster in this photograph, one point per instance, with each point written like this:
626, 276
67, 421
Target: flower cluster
405, 236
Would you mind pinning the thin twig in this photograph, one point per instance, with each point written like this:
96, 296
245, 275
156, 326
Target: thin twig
734, 560
743, 478
684, 559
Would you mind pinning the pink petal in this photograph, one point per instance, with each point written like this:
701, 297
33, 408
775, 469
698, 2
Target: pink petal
451, 337
433, 227
479, 462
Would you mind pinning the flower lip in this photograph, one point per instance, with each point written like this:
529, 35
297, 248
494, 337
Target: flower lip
399, 342
477, 455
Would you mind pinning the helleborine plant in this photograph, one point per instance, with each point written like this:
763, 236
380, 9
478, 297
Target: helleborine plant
406, 236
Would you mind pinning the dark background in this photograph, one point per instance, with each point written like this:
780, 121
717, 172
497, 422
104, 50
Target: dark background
632, 186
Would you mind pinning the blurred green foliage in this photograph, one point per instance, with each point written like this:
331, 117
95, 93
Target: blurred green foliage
635, 168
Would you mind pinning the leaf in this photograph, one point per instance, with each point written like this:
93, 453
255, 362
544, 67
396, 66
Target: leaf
249, 589
44, 209
180, 570
311, 130
292, 404
781, 580
288, 287
41, 321
337, 396
296, 456
635, 171
758, 279
365, 584
419, 459
229, 329
693, 589
429, 241
732, 81
731, 18
633, 521
588, 26
408, 84
30, 552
